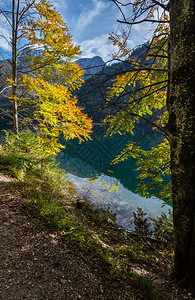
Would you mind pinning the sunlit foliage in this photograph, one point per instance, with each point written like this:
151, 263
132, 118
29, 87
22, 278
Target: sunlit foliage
140, 94
52, 79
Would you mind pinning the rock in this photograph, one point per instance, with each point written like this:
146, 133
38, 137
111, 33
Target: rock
63, 281
91, 65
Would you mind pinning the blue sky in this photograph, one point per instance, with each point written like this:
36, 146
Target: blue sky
90, 22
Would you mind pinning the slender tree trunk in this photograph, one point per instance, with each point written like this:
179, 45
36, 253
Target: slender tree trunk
181, 107
14, 67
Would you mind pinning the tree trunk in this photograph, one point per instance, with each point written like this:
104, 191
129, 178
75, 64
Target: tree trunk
14, 65
181, 128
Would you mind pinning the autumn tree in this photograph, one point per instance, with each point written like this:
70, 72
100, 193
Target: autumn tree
48, 74
162, 81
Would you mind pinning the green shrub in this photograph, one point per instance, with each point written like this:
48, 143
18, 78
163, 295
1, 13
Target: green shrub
25, 158
23, 153
149, 291
163, 228
142, 226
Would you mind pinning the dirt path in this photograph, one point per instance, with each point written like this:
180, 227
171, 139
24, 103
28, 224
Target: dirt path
34, 264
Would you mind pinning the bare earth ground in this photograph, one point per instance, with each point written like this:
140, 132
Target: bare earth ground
36, 265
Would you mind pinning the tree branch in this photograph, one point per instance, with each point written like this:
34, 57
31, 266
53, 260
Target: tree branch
161, 5
141, 21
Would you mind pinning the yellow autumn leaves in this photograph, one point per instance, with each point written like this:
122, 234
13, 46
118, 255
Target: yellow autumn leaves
53, 77
57, 112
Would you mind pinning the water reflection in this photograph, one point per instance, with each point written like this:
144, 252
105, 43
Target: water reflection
123, 203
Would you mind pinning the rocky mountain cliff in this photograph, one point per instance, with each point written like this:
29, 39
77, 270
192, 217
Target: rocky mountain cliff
91, 65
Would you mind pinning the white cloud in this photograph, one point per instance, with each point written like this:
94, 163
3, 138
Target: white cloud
5, 35
59, 5
87, 16
100, 46
4, 39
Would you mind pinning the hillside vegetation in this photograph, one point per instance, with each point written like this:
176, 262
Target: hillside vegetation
125, 261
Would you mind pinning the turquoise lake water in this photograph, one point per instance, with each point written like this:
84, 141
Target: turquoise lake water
82, 161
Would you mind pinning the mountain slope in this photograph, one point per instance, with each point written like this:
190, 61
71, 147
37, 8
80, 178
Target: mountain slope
91, 65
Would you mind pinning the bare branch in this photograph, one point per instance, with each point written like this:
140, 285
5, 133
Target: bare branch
5, 38
143, 88
5, 88
4, 14
165, 7
22, 13
141, 21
